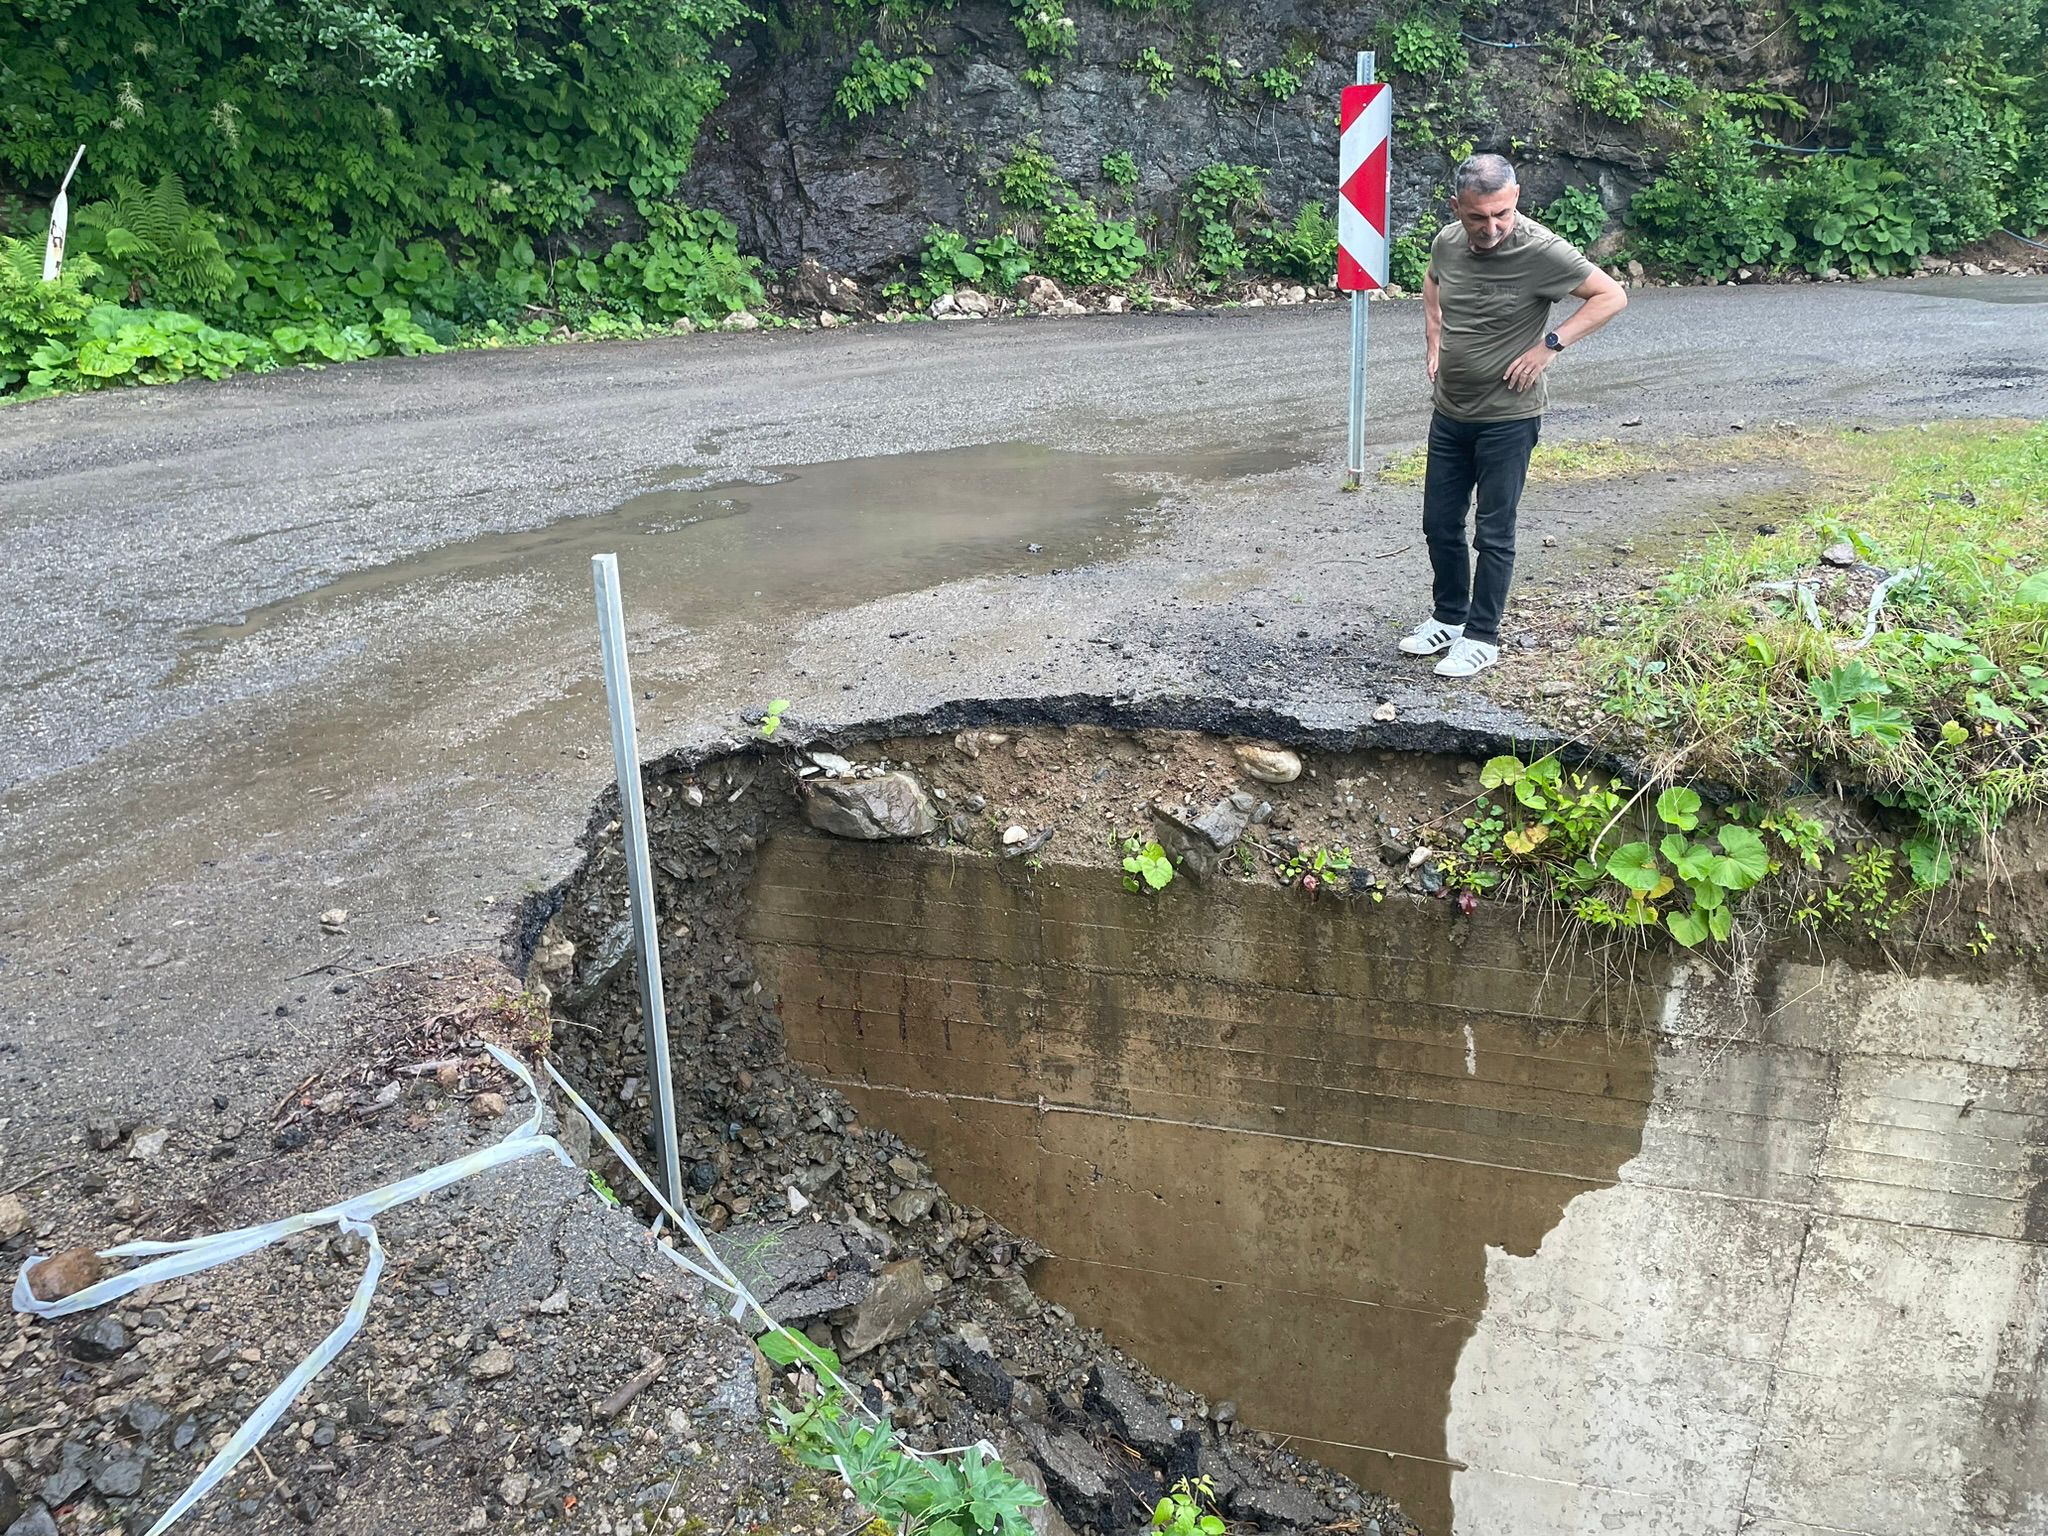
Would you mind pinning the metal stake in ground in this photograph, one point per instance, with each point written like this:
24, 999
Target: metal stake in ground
618, 687
1366, 122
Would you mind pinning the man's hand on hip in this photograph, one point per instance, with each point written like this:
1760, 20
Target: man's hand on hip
1528, 368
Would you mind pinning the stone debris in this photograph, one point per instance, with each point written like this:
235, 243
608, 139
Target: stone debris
147, 1146
334, 919
886, 806
1269, 764
493, 1364
65, 1274
1038, 292
1138, 1421
813, 286
13, 1218
102, 1338
897, 1300
1225, 822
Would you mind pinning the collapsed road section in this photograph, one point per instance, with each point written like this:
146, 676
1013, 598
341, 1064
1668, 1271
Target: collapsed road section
1002, 1044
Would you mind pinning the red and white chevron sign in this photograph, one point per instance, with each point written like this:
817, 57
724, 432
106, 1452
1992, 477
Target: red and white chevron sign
1367, 121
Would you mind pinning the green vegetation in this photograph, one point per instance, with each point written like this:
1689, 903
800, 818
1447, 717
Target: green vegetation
1889, 643
771, 721
1155, 69
1030, 181
1759, 665
876, 81
309, 182
1279, 82
1408, 259
1585, 840
1937, 135
1312, 867
1045, 26
1180, 1513
1119, 169
1220, 201
1427, 47
1081, 248
1305, 250
964, 1495
1578, 215
1145, 864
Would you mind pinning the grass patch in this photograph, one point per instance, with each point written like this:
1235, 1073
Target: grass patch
1564, 463
1754, 664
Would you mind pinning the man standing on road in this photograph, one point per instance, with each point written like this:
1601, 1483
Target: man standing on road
1493, 277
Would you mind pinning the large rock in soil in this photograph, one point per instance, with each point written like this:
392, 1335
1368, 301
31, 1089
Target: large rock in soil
889, 1310
890, 805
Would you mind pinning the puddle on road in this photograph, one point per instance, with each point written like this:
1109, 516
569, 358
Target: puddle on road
485, 648
705, 545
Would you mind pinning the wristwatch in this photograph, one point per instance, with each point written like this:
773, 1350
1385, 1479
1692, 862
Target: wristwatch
1553, 343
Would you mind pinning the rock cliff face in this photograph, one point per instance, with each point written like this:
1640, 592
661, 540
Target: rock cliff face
802, 181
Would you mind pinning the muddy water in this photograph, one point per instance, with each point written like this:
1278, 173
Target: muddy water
699, 546
485, 648
1270, 1144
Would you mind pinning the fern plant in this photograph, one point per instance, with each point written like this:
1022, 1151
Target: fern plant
154, 240
31, 310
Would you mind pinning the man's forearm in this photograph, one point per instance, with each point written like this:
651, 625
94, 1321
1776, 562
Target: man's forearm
1591, 315
1432, 315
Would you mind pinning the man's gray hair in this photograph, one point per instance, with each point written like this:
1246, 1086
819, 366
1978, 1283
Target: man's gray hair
1483, 174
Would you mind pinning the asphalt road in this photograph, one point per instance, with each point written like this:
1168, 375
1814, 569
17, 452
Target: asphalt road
278, 645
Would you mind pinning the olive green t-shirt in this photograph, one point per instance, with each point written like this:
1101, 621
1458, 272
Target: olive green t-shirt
1496, 306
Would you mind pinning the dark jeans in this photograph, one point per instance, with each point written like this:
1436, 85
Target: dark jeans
1493, 458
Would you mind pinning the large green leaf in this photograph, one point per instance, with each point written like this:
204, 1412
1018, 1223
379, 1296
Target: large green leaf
1635, 867
1679, 807
1746, 861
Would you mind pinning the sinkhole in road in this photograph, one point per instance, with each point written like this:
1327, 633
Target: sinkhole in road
1262, 1140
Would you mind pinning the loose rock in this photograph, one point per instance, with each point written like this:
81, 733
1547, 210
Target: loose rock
101, 1339
899, 1298
493, 1364
13, 1218
148, 1146
1269, 765
120, 1472
890, 805
65, 1274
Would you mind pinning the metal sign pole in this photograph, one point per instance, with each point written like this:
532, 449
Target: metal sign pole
1355, 462
60, 215
618, 687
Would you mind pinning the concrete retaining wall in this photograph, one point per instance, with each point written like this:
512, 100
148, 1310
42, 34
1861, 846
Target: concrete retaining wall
1528, 1249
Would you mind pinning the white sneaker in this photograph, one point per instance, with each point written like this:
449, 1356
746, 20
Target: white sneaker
1467, 658
1429, 637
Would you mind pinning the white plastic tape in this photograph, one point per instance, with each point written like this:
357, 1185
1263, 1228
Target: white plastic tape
191, 1255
